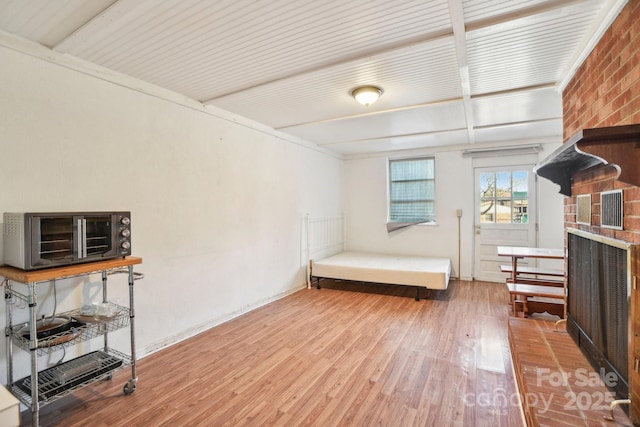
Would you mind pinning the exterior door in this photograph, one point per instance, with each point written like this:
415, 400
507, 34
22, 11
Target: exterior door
505, 215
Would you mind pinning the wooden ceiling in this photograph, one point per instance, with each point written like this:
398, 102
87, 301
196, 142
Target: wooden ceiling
454, 72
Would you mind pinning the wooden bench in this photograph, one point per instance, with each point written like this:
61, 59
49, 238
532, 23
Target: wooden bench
522, 295
535, 271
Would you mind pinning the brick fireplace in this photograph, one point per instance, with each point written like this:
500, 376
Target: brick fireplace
601, 156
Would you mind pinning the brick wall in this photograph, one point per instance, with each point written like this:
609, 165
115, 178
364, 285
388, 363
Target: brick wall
606, 92
594, 182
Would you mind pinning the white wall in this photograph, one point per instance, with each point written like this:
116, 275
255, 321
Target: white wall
366, 207
216, 200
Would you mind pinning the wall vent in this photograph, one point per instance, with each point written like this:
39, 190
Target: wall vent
583, 209
611, 209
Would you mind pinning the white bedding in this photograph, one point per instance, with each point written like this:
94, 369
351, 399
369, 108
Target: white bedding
428, 272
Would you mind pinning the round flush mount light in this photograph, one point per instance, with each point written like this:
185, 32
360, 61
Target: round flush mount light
366, 95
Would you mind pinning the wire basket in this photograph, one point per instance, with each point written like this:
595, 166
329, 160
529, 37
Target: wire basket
83, 328
66, 377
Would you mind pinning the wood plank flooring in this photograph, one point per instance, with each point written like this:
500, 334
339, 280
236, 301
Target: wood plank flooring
346, 355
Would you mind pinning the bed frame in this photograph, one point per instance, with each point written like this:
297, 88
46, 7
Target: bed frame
324, 250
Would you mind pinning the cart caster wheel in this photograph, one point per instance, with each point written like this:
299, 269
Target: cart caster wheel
129, 388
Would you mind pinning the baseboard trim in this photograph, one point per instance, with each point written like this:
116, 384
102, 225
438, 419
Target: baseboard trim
191, 332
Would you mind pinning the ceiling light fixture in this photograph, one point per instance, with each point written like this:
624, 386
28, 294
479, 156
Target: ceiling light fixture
366, 95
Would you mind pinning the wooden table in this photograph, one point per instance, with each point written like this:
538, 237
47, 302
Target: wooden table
518, 252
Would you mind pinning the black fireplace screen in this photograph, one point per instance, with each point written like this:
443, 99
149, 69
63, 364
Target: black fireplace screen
597, 308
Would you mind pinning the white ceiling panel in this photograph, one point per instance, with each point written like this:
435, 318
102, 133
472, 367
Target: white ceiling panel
525, 52
525, 106
434, 118
209, 49
453, 71
48, 21
484, 10
400, 143
542, 129
418, 74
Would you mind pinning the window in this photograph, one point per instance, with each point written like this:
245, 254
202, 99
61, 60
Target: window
504, 197
412, 185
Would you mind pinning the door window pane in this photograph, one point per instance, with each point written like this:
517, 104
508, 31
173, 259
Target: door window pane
503, 184
487, 197
504, 197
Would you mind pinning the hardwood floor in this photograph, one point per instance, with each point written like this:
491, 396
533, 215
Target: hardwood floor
346, 355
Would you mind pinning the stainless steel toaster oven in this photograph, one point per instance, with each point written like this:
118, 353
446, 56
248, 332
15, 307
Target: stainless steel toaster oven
40, 240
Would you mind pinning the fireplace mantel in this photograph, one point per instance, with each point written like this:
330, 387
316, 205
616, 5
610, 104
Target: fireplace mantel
618, 146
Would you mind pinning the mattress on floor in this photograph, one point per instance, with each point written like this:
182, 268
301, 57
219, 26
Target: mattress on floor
428, 272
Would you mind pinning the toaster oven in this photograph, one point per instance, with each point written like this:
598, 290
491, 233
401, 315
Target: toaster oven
40, 240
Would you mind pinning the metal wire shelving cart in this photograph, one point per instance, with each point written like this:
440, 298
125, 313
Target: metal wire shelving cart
45, 386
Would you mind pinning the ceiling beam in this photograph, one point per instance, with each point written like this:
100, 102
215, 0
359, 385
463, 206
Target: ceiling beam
372, 113
423, 105
519, 123
520, 89
437, 132
460, 46
384, 137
